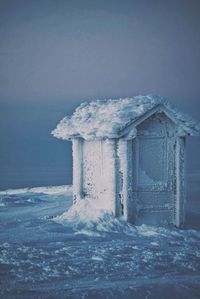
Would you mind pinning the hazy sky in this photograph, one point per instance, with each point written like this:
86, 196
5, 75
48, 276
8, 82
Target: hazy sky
56, 53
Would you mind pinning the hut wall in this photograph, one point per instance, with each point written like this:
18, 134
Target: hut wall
109, 171
94, 171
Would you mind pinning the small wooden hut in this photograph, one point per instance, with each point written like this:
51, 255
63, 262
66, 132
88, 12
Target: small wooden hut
130, 153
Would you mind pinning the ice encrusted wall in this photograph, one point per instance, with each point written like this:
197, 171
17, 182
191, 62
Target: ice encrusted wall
102, 171
141, 178
94, 173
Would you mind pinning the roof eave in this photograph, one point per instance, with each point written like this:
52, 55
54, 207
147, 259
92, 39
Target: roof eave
186, 129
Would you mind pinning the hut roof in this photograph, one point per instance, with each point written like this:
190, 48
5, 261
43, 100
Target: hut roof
106, 119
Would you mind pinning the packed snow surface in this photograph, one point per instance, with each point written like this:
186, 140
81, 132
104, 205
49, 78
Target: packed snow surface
51, 249
45, 190
106, 118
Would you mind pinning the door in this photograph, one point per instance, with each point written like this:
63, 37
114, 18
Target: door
153, 178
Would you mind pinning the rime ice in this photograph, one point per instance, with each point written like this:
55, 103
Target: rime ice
128, 156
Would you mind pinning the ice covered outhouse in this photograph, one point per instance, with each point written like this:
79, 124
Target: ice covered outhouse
130, 153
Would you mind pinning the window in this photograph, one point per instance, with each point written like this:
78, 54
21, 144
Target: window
151, 160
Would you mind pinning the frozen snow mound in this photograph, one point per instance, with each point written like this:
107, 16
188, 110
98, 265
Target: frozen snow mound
101, 119
92, 218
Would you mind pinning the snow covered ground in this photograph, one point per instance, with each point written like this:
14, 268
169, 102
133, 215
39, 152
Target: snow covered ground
48, 250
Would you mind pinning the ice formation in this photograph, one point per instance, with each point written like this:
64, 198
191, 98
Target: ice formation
129, 156
102, 119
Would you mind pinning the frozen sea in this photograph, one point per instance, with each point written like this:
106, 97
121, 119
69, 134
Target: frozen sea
46, 252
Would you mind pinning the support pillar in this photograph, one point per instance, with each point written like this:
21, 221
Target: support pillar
77, 149
111, 152
126, 161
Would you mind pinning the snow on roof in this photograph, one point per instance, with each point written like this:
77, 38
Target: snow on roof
102, 119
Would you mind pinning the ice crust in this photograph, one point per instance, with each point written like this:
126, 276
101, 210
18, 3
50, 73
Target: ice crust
100, 119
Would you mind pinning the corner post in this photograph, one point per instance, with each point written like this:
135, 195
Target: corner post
180, 194
77, 149
125, 158
111, 152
